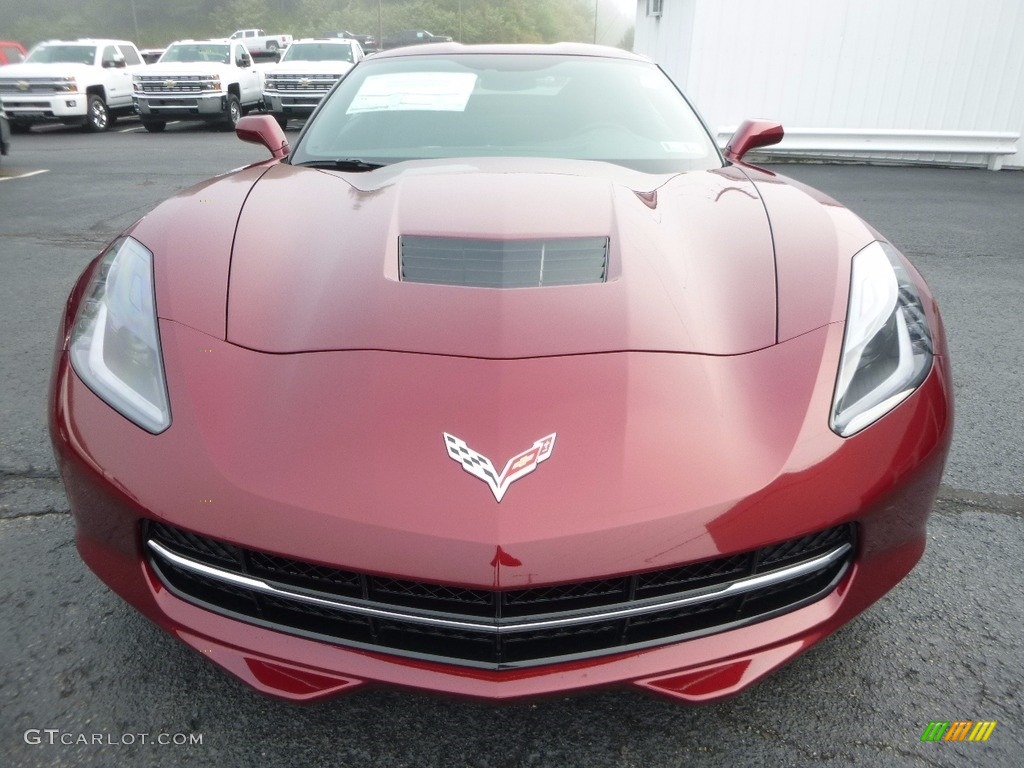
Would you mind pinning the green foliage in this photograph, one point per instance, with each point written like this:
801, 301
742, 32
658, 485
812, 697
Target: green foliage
162, 21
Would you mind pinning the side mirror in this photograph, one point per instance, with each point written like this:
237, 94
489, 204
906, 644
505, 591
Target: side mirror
750, 135
263, 129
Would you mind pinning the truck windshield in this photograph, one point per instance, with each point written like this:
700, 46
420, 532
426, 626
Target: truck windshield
208, 52
318, 52
63, 54
610, 110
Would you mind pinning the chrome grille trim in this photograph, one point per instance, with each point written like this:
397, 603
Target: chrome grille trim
499, 626
485, 628
287, 83
156, 84
35, 85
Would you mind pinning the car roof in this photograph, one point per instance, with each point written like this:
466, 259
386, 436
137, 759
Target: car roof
219, 40
552, 49
335, 40
88, 41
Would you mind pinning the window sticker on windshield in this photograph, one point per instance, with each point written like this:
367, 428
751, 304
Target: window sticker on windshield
428, 91
683, 148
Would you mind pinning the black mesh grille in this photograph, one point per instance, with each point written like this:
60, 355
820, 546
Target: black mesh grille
503, 263
501, 629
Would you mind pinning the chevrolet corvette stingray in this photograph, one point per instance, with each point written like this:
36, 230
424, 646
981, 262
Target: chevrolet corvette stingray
503, 381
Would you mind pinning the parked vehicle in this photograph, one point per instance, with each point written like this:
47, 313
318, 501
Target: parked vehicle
77, 82
152, 55
367, 42
413, 37
487, 388
309, 69
259, 42
11, 52
211, 80
5, 132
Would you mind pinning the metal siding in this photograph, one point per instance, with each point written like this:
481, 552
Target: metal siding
950, 65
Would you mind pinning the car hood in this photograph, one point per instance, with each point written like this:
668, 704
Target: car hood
311, 67
315, 264
183, 67
24, 70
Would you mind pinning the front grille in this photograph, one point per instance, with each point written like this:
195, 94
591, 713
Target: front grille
503, 263
322, 83
171, 84
494, 629
34, 85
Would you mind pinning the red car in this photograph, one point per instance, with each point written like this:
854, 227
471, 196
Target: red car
503, 381
11, 52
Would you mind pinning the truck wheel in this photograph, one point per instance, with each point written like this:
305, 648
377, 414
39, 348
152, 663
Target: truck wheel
97, 118
233, 113
154, 126
272, 46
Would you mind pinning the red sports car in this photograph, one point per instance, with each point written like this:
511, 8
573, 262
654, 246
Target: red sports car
503, 381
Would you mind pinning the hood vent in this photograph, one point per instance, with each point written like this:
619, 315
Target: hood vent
503, 263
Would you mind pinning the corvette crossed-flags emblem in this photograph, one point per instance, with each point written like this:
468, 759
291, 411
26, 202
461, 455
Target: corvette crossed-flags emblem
481, 467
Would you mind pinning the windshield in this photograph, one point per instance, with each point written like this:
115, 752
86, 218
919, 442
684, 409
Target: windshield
318, 52
513, 105
208, 52
63, 54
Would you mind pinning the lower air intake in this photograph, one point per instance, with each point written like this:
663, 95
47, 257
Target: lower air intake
493, 629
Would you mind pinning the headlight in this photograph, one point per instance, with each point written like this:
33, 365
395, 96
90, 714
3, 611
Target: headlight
115, 343
887, 347
68, 85
269, 83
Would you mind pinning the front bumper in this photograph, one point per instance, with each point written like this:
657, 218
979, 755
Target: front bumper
42, 109
192, 107
882, 480
294, 104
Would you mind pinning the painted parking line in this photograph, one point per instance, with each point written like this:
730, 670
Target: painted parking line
23, 175
138, 128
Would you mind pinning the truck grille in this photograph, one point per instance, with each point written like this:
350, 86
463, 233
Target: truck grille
286, 83
493, 629
161, 84
28, 85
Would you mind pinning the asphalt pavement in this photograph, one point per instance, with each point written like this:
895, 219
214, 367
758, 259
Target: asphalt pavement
85, 681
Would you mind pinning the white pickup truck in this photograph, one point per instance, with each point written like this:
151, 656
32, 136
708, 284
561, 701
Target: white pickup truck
210, 80
77, 82
258, 42
308, 70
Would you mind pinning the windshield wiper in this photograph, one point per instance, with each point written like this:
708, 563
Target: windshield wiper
347, 164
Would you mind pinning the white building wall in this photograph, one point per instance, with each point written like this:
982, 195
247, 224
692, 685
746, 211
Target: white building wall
950, 66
